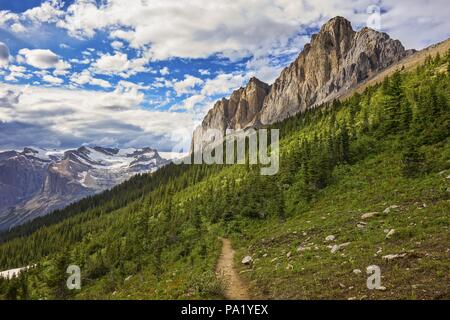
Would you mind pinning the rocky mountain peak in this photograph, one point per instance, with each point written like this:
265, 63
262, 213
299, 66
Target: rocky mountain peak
36, 181
336, 61
236, 112
337, 25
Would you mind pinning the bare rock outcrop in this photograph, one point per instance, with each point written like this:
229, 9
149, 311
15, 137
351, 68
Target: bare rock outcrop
336, 61
237, 112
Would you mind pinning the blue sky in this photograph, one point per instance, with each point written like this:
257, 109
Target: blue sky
143, 73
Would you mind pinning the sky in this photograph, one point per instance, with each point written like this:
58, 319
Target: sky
137, 73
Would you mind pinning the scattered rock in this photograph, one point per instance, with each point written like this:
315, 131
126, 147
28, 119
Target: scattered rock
128, 278
289, 267
369, 215
390, 233
247, 260
334, 248
264, 255
388, 209
274, 259
289, 254
330, 238
394, 256
357, 271
448, 177
361, 225
337, 247
381, 288
302, 249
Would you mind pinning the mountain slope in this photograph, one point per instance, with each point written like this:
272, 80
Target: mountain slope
35, 182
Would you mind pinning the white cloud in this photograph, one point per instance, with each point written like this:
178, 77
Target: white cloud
220, 86
74, 117
241, 28
18, 28
119, 64
49, 12
52, 80
204, 72
195, 103
223, 84
42, 59
116, 45
416, 23
17, 72
164, 71
264, 69
186, 85
61, 72
194, 31
78, 61
85, 77
8, 17
161, 82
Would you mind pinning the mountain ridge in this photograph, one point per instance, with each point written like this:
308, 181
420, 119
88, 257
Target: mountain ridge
36, 181
337, 60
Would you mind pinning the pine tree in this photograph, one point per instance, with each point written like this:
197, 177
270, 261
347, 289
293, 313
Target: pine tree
345, 143
365, 122
393, 104
412, 162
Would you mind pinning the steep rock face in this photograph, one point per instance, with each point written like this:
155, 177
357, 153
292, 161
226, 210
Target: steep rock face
35, 182
336, 60
237, 112
20, 176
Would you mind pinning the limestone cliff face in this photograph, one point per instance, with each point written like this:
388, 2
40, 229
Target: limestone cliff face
336, 61
237, 112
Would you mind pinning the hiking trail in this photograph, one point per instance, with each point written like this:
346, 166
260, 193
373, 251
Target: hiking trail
234, 287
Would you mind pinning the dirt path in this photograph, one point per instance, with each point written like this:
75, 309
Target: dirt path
234, 288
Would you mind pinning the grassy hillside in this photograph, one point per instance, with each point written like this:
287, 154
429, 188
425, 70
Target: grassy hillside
157, 235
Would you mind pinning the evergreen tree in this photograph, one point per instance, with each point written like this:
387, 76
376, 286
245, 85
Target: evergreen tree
412, 162
345, 144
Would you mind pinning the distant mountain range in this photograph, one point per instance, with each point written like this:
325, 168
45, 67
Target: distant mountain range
35, 181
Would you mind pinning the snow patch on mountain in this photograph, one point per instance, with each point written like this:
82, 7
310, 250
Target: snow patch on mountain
36, 181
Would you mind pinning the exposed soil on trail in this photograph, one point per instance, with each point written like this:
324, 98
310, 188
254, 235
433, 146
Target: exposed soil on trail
235, 289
